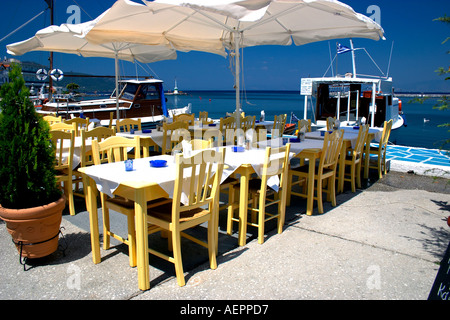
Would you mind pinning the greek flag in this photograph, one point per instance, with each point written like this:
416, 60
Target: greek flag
294, 117
342, 49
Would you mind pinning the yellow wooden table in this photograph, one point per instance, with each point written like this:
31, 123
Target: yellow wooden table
137, 190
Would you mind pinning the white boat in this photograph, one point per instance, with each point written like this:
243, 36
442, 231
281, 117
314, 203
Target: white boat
138, 99
351, 98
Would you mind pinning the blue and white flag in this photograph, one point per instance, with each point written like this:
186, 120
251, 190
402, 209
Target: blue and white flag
294, 117
342, 49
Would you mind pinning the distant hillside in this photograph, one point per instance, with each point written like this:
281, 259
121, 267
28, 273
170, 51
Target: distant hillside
87, 82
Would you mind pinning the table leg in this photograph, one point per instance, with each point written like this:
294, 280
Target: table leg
93, 219
140, 209
243, 205
310, 191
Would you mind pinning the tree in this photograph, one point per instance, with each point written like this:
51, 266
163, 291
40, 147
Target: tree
72, 87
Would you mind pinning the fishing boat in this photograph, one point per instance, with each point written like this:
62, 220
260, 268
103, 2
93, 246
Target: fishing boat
351, 98
138, 99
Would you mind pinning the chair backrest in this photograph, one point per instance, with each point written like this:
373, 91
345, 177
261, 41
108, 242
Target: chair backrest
115, 148
173, 133
81, 123
52, 119
248, 122
125, 125
360, 141
332, 145
303, 123
64, 142
330, 123
203, 117
65, 127
279, 124
202, 188
276, 162
99, 134
187, 117
228, 129
200, 144
386, 133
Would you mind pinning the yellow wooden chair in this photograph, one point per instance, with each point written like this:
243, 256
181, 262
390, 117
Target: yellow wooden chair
279, 124
326, 170
330, 123
81, 123
114, 149
98, 134
248, 123
173, 134
354, 158
125, 125
67, 127
64, 142
276, 163
186, 117
52, 119
200, 144
303, 123
203, 117
380, 150
228, 128
201, 207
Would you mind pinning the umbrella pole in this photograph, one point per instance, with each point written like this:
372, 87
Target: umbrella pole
237, 40
117, 85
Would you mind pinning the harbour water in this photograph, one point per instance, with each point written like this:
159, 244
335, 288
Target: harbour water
418, 132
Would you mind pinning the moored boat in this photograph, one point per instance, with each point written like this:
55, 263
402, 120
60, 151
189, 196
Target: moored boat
138, 99
351, 99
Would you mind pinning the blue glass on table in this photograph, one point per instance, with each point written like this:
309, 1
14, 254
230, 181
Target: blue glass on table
128, 165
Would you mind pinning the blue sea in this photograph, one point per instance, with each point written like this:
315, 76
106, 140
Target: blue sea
417, 133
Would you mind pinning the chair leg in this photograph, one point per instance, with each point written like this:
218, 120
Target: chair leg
333, 191
288, 191
261, 218
212, 240
231, 197
353, 176
176, 241
319, 196
131, 241
358, 174
281, 212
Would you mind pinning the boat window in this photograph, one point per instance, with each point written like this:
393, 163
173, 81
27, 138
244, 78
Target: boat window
148, 92
130, 91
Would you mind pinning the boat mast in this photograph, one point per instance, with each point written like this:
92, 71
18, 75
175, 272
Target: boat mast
50, 81
353, 58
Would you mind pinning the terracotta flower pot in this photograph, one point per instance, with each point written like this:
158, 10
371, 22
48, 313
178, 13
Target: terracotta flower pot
35, 231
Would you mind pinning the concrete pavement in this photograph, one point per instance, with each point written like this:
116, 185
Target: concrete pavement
384, 242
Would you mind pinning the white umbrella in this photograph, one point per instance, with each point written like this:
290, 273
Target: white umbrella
223, 25
70, 38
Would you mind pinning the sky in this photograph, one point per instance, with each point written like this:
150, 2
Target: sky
415, 40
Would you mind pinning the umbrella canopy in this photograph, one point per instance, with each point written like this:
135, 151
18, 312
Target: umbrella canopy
231, 24
70, 38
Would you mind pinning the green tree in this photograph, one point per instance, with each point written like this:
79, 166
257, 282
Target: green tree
72, 87
27, 154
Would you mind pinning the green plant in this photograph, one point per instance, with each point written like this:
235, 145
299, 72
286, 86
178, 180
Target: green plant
27, 154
